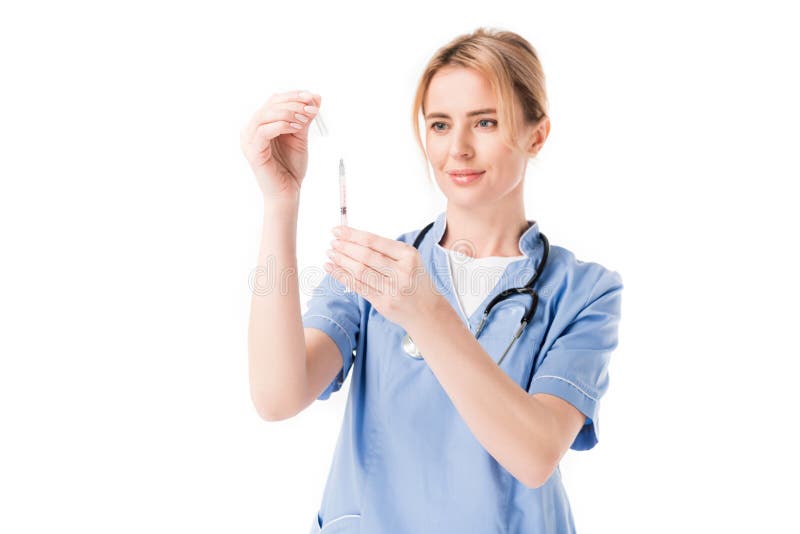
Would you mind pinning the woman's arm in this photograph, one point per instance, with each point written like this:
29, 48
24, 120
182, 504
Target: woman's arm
276, 341
526, 434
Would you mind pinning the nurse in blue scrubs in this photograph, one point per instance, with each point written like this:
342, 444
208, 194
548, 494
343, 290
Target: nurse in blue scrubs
450, 437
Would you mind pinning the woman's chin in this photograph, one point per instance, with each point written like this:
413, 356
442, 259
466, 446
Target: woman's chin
465, 199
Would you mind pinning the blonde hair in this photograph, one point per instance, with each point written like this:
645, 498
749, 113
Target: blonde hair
511, 66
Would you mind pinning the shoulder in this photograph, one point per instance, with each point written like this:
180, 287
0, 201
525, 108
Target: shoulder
572, 283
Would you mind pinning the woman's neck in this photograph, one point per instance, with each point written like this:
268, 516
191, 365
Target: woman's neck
479, 234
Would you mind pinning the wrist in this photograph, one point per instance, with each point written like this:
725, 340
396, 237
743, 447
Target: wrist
436, 313
272, 205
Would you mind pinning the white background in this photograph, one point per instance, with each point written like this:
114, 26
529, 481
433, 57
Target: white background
130, 224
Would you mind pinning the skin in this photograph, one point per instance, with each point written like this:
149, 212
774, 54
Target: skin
482, 213
526, 434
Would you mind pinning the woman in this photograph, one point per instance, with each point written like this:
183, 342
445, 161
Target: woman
443, 431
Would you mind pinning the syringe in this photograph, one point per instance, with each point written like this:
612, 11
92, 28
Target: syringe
323, 131
342, 195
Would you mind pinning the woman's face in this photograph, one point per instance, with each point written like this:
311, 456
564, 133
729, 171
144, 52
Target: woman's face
457, 138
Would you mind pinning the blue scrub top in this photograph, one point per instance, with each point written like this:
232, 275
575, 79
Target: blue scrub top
405, 460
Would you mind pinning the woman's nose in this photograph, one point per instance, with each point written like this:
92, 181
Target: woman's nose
461, 146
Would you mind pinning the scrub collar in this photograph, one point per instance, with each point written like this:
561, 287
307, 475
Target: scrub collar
529, 242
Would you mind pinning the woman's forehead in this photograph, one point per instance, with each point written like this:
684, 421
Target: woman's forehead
459, 91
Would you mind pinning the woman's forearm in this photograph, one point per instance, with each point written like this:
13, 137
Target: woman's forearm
507, 421
276, 342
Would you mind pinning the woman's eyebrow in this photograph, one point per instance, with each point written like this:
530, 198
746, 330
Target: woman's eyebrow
437, 114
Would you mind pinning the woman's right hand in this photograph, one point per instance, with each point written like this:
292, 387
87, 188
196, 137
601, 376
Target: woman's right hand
276, 150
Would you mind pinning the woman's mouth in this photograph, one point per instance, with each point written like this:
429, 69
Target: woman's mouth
464, 179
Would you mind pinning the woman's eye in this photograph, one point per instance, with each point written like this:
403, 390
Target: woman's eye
435, 124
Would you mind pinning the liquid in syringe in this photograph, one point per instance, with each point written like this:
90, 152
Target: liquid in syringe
342, 195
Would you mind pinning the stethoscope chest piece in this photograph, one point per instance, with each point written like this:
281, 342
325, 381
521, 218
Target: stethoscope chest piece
410, 348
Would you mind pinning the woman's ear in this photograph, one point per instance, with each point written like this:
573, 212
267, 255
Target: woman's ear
538, 136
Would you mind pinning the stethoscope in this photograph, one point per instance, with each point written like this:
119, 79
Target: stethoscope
411, 349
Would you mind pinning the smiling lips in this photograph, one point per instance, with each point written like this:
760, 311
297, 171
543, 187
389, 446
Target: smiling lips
465, 176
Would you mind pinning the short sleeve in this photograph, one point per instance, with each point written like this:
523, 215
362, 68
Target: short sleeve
336, 312
575, 367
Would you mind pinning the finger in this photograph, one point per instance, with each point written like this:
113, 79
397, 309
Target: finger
392, 248
265, 132
302, 96
348, 282
360, 272
295, 112
369, 257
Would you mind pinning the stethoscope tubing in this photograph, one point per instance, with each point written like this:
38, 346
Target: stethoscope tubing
411, 349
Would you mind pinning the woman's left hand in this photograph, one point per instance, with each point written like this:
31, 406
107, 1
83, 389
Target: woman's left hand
388, 273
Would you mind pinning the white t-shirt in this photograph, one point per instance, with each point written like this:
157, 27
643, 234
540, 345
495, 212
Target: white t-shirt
474, 278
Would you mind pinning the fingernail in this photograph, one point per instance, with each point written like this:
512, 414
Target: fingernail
336, 231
